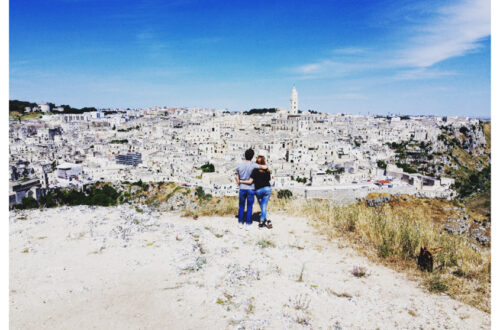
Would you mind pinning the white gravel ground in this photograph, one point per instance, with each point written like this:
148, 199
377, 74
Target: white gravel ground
116, 268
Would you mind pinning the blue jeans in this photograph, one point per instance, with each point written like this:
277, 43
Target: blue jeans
263, 194
246, 195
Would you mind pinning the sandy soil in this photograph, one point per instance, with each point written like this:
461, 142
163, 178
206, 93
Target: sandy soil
116, 268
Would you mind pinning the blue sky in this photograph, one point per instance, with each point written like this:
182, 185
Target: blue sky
378, 57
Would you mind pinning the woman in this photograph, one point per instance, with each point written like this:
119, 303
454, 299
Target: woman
260, 178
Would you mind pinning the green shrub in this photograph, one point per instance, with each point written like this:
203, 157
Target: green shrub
202, 196
208, 168
27, 203
436, 284
381, 164
48, 201
284, 193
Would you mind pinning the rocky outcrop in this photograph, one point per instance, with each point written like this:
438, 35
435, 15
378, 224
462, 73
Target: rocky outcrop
376, 201
180, 201
477, 230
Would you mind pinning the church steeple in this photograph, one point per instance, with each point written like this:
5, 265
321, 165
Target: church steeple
294, 102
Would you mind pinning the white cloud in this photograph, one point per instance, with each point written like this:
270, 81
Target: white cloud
456, 31
453, 31
421, 73
339, 66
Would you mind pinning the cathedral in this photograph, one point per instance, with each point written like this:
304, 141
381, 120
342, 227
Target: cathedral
293, 120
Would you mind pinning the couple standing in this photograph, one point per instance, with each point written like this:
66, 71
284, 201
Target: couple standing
253, 180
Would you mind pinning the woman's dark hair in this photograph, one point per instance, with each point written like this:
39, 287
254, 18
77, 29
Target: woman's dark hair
249, 154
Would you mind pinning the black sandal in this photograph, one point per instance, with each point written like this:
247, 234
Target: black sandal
261, 224
269, 224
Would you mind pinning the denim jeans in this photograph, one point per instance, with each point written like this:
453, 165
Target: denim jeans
263, 195
246, 195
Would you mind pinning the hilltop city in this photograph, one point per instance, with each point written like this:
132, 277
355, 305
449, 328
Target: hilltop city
313, 155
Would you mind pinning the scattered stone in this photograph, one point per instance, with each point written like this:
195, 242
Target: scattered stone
241, 276
337, 326
458, 228
483, 239
374, 202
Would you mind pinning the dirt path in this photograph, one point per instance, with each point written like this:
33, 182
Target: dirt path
116, 268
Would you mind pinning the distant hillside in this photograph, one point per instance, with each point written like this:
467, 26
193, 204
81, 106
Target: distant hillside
461, 153
471, 168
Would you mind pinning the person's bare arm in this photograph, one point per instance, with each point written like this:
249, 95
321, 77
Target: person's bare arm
237, 179
263, 167
249, 181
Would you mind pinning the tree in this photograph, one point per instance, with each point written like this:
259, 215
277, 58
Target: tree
260, 111
19, 106
208, 168
202, 196
382, 164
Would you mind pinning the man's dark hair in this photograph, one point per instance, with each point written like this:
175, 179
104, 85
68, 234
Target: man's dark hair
249, 154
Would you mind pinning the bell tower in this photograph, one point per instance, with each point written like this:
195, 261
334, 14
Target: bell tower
294, 102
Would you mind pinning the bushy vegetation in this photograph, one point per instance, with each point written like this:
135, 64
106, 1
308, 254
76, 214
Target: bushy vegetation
100, 196
336, 171
474, 182
128, 129
202, 196
122, 141
260, 111
208, 168
141, 184
299, 179
19, 106
381, 164
471, 170
284, 194
68, 109
27, 203
406, 167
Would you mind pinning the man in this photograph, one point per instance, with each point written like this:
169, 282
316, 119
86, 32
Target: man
247, 191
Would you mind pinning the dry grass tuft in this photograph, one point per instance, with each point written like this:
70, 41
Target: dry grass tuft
264, 243
393, 234
359, 271
340, 295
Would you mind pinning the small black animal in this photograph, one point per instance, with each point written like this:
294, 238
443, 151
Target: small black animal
425, 261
